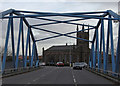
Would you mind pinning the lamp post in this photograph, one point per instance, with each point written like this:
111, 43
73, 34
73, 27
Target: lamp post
70, 56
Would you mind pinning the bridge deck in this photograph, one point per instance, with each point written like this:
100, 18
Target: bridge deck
57, 75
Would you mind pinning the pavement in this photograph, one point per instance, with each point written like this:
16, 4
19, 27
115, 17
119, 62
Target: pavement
57, 75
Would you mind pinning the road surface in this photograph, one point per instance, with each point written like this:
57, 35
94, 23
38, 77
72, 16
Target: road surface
57, 75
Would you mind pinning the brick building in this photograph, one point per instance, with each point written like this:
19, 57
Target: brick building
69, 53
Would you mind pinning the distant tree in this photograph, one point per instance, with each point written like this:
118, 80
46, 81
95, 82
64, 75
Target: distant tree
9, 53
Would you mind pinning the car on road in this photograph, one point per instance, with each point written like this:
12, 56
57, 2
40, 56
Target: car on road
59, 64
78, 65
51, 64
84, 63
42, 63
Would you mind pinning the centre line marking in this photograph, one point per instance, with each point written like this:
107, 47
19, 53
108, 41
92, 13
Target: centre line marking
28, 83
74, 81
73, 76
36, 79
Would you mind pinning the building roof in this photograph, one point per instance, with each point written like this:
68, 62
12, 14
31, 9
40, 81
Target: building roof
62, 47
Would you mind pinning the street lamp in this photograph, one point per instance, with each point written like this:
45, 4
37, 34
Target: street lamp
70, 56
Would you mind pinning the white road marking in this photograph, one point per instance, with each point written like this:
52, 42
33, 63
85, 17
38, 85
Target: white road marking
28, 83
73, 76
74, 80
35, 79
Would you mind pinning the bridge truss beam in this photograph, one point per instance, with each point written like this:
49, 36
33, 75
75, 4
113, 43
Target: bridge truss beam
97, 46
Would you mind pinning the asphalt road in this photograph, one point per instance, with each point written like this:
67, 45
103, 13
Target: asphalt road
9, 65
57, 75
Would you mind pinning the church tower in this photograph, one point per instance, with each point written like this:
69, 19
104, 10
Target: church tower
83, 46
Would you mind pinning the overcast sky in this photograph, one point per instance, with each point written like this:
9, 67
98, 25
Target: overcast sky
55, 6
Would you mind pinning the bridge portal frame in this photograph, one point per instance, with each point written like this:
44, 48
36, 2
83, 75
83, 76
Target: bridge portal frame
95, 51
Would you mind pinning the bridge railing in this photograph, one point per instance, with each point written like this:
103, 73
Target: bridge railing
106, 72
110, 73
19, 70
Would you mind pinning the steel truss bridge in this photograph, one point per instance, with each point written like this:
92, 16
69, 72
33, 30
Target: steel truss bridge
97, 45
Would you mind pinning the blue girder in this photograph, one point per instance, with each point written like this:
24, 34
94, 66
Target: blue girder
96, 48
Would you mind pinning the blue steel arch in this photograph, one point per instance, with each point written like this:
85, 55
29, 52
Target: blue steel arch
95, 51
